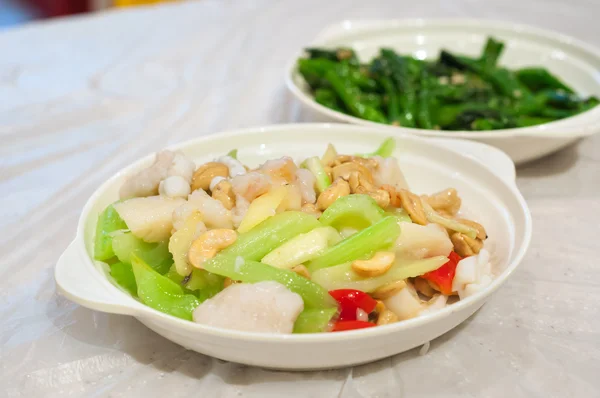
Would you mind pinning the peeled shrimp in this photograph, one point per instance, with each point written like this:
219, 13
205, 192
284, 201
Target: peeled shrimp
214, 214
388, 172
267, 307
251, 185
236, 168
282, 171
145, 183
239, 211
306, 182
166, 164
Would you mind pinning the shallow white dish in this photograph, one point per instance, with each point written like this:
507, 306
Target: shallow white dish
483, 176
577, 63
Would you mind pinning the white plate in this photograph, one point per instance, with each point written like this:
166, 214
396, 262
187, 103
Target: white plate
483, 176
577, 63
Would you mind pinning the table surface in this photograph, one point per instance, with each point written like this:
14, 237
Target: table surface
82, 97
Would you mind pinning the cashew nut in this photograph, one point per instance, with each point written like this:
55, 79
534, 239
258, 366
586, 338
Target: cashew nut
423, 287
209, 244
384, 316
223, 192
394, 196
377, 265
446, 201
345, 169
388, 290
382, 198
336, 190
413, 206
205, 173
311, 209
361, 185
465, 246
341, 159
302, 271
481, 234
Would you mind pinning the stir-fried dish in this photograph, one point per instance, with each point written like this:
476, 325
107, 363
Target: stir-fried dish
454, 92
329, 244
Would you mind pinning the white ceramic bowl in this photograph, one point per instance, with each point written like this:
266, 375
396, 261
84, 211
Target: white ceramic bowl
483, 176
577, 63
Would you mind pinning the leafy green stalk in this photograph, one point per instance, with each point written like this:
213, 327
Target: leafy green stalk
378, 236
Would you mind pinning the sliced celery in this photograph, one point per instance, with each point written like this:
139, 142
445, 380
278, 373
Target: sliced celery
316, 167
385, 150
204, 284
122, 273
200, 283
270, 234
329, 155
161, 293
343, 277
400, 214
262, 208
302, 248
360, 245
248, 271
352, 211
109, 221
314, 320
233, 154
155, 254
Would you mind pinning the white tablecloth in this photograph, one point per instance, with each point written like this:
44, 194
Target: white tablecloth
82, 97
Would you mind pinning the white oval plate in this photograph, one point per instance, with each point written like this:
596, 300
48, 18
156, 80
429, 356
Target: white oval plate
483, 176
577, 63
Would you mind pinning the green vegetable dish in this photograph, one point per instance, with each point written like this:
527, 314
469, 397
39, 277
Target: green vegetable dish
329, 244
454, 92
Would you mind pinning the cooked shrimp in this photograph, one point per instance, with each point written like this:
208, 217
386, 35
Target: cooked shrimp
214, 214
251, 185
388, 172
281, 171
306, 182
145, 183
236, 168
267, 307
182, 166
239, 211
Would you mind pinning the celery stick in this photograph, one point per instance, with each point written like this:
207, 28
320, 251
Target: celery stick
248, 271
271, 233
400, 214
353, 211
360, 245
385, 150
314, 320
160, 292
204, 284
201, 283
316, 167
109, 221
154, 254
329, 155
343, 277
302, 248
233, 153
122, 273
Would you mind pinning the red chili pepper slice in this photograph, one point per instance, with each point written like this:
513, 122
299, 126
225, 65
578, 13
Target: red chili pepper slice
350, 300
443, 276
341, 326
